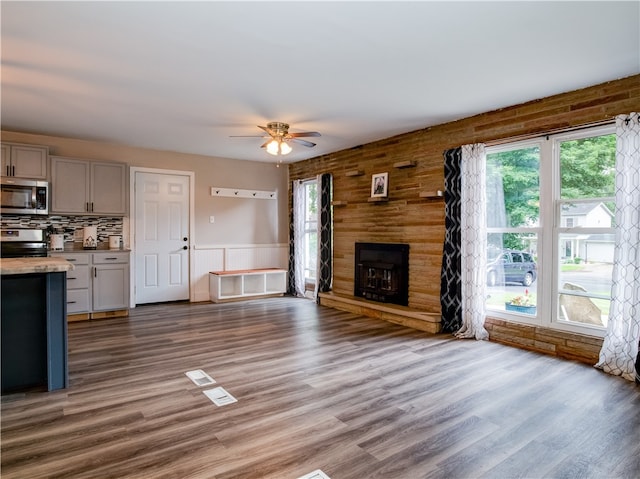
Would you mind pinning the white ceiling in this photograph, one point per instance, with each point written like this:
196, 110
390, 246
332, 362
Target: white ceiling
184, 76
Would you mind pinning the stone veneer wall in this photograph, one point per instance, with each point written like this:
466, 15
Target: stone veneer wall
415, 164
543, 340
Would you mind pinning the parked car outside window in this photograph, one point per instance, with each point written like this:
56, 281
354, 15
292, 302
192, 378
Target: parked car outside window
511, 266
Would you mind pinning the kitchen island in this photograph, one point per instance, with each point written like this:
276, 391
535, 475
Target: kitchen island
33, 323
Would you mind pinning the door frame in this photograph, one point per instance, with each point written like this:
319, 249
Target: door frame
132, 226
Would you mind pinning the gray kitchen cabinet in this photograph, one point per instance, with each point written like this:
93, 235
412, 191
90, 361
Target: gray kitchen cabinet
78, 284
110, 281
24, 161
87, 187
98, 286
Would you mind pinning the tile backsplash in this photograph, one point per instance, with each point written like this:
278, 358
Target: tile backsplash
71, 226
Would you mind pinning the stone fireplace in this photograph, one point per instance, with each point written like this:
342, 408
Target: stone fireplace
382, 272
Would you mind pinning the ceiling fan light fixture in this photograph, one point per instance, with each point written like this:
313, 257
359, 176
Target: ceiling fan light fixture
278, 146
285, 149
273, 147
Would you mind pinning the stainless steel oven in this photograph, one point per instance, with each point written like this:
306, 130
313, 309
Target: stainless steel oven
24, 197
22, 243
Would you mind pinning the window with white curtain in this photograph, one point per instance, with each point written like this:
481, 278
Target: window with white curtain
310, 232
550, 230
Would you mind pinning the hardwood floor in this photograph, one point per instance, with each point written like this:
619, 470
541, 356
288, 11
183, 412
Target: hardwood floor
317, 388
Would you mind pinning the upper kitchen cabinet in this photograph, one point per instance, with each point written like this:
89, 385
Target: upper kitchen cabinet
87, 187
24, 161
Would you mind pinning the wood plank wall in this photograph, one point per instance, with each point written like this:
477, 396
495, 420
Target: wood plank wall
407, 218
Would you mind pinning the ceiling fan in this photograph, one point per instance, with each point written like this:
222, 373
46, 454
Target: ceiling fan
279, 138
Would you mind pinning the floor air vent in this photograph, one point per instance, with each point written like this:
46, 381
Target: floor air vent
220, 397
317, 474
200, 378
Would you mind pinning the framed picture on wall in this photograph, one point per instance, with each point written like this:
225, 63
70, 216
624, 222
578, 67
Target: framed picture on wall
379, 185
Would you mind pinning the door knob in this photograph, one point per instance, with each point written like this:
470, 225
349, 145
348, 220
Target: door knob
185, 247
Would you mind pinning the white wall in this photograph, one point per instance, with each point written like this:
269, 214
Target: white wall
236, 220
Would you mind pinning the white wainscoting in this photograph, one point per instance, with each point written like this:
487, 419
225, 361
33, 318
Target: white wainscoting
234, 257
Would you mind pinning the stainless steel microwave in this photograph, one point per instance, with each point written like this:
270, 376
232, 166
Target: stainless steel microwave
24, 197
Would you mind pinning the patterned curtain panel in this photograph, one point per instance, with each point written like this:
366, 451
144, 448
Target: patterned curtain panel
325, 235
291, 277
296, 237
450, 277
620, 348
473, 244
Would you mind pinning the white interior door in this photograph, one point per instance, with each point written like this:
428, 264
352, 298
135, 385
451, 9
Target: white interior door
161, 237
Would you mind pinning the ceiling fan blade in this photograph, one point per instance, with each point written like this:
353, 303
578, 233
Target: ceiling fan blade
302, 142
247, 136
264, 145
304, 133
264, 128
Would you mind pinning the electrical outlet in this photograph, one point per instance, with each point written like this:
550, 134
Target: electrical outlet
212, 219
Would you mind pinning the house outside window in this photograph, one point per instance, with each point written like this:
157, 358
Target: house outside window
552, 200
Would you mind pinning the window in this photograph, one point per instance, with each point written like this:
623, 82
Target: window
586, 193
550, 230
513, 213
310, 232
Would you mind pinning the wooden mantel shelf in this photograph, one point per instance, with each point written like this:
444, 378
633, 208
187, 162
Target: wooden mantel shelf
378, 199
429, 322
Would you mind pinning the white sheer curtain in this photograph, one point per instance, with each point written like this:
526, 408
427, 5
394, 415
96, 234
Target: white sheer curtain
298, 237
473, 241
620, 347
324, 266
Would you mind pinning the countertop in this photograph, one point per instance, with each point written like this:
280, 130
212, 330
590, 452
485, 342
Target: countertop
76, 247
34, 265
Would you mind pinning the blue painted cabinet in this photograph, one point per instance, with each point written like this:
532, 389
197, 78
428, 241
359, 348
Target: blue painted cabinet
34, 331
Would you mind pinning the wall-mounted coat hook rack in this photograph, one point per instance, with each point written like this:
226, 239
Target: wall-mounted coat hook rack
238, 193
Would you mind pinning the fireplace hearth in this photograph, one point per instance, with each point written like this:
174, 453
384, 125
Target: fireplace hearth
382, 272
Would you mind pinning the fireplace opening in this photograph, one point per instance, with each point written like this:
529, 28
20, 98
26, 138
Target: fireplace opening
382, 272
